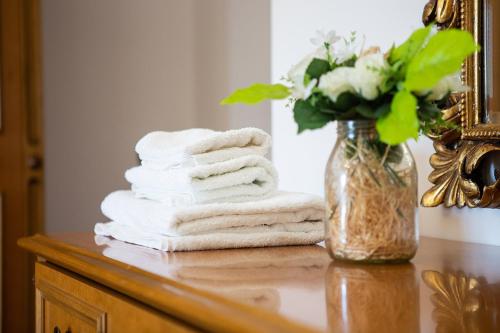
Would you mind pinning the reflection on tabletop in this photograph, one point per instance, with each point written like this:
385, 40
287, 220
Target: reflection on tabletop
247, 275
385, 298
463, 303
435, 293
372, 298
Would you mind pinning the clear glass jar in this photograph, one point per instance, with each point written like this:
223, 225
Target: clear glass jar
371, 196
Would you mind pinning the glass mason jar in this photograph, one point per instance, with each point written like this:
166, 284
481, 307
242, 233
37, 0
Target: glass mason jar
371, 197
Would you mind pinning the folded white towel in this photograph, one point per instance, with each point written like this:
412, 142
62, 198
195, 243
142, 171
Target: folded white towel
240, 179
282, 219
161, 150
211, 241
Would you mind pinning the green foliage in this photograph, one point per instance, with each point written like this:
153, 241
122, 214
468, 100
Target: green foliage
443, 55
402, 122
364, 110
406, 51
317, 67
349, 62
382, 110
346, 101
400, 110
429, 115
257, 93
309, 117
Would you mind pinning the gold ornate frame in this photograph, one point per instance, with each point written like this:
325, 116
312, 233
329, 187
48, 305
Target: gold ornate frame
457, 176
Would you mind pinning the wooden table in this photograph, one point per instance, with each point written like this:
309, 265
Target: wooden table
87, 283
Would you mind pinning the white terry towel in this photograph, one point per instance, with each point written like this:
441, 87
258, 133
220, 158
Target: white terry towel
161, 150
282, 219
240, 179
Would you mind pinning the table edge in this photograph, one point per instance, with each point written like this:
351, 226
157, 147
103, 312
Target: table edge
202, 309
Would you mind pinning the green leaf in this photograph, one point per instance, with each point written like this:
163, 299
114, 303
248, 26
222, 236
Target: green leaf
308, 117
402, 122
346, 101
443, 55
349, 62
257, 93
382, 110
406, 51
317, 67
350, 114
323, 104
365, 111
428, 111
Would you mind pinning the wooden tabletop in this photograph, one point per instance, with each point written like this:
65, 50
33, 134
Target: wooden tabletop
453, 285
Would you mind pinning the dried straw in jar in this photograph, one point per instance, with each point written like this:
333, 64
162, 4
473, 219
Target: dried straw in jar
373, 217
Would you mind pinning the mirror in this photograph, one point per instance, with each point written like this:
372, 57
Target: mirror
467, 159
491, 60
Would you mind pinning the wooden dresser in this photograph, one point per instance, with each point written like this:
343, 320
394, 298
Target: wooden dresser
87, 283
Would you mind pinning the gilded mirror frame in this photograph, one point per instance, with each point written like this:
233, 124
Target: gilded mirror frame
462, 155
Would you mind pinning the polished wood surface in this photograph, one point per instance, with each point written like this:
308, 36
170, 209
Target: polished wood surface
21, 151
71, 304
448, 287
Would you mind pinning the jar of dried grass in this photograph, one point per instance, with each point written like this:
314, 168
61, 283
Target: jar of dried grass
371, 194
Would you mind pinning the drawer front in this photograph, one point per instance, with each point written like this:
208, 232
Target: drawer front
67, 303
59, 312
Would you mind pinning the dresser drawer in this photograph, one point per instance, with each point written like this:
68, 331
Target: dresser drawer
66, 303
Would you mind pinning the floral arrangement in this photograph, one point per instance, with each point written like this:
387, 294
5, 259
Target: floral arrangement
401, 90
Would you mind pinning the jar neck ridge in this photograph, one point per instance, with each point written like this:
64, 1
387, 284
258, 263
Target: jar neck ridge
355, 128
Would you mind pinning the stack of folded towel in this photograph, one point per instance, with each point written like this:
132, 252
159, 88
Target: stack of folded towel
200, 189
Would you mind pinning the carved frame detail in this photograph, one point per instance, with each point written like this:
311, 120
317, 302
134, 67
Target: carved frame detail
456, 163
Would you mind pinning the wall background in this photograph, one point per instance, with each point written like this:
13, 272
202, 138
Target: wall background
301, 159
117, 69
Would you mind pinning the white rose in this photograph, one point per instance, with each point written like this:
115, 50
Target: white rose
367, 75
448, 84
334, 83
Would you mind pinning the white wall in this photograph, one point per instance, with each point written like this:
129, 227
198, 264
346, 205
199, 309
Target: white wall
117, 69
233, 50
301, 159
109, 69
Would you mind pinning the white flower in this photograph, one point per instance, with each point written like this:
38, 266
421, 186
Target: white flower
323, 38
300, 68
448, 84
347, 49
336, 82
368, 75
297, 73
345, 52
301, 91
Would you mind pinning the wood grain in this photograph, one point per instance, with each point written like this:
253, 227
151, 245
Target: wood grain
288, 289
203, 310
69, 302
21, 151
